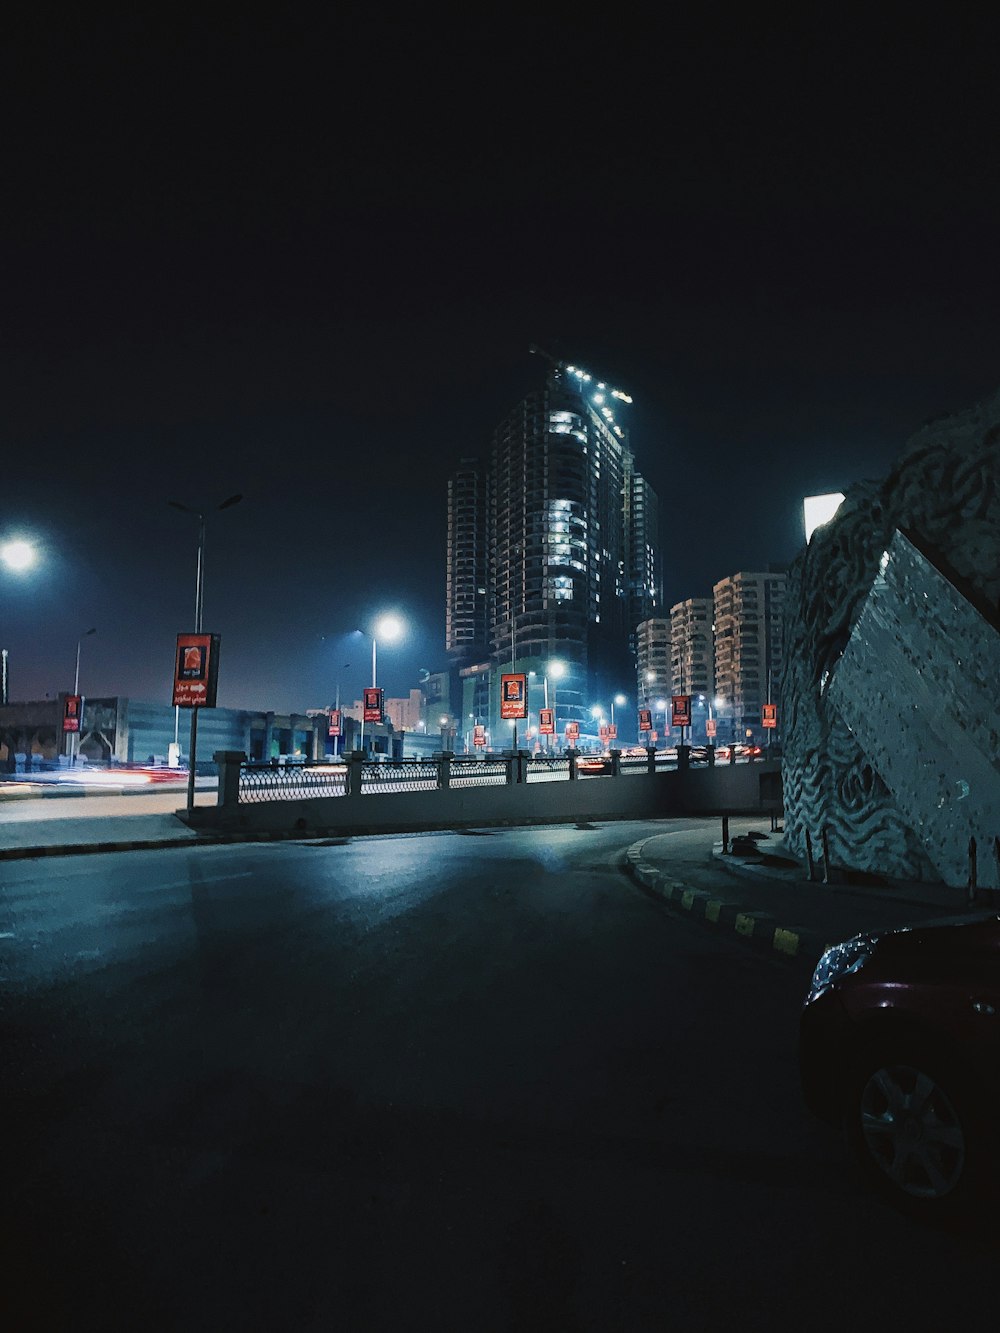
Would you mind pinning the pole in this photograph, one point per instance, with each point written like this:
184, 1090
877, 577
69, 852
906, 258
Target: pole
199, 593
548, 737
74, 736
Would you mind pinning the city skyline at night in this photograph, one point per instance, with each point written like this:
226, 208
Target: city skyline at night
229, 273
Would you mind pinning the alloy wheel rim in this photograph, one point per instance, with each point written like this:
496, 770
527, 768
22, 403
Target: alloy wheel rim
912, 1131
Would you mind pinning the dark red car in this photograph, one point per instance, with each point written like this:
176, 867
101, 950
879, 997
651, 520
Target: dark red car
900, 1044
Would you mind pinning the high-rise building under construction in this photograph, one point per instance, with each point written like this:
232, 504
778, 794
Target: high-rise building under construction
553, 553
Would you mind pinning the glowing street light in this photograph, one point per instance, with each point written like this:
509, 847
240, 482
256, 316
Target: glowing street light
18, 555
554, 671
389, 628
620, 700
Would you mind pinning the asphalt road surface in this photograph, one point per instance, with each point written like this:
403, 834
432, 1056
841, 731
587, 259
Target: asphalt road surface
448, 1081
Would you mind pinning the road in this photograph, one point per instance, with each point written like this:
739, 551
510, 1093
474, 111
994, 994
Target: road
450, 1081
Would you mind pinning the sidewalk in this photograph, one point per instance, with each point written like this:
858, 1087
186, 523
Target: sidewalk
769, 900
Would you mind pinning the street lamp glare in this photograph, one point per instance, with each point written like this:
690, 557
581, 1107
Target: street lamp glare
18, 555
557, 670
388, 628
620, 699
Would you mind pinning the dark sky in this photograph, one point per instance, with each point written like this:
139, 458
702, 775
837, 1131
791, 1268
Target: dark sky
304, 261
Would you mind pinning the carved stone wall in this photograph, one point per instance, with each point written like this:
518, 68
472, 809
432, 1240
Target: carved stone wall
945, 490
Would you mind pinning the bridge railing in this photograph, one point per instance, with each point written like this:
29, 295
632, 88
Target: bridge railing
246, 782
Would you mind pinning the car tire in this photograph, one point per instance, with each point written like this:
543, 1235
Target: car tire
913, 1125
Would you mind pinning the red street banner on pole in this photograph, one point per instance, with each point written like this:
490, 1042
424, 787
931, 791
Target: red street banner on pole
710, 727
547, 721
613, 731
604, 732
373, 703
645, 719
196, 670
572, 731
680, 710
72, 712
479, 736
334, 721
513, 696
769, 715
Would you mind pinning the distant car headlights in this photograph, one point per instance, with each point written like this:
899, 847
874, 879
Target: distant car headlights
839, 961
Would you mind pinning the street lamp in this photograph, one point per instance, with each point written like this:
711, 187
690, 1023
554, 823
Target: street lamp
555, 671
199, 606
74, 736
18, 555
620, 700
388, 628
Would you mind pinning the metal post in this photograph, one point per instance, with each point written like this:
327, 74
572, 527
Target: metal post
826, 854
198, 608
973, 870
725, 835
809, 858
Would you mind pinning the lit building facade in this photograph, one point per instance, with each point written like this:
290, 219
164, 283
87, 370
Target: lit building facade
653, 661
571, 545
692, 659
749, 650
467, 601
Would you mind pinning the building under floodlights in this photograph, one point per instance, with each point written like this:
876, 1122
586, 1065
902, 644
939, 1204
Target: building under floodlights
553, 546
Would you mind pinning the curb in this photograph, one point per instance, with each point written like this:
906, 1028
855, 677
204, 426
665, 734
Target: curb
760, 928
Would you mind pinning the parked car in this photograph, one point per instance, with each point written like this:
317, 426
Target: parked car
900, 1044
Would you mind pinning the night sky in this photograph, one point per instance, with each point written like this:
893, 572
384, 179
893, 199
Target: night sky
304, 260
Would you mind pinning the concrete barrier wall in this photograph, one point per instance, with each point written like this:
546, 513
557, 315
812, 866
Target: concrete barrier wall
732, 789
647, 795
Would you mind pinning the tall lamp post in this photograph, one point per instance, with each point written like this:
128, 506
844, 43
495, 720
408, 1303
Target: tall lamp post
17, 555
556, 671
199, 606
388, 628
74, 741
620, 700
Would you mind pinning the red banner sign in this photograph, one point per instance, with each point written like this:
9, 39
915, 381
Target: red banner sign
654, 736
334, 729
72, 712
680, 710
479, 736
572, 731
645, 719
547, 721
513, 696
769, 715
604, 732
613, 731
196, 670
711, 728
373, 703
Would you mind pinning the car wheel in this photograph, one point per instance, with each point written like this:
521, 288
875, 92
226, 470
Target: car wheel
913, 1129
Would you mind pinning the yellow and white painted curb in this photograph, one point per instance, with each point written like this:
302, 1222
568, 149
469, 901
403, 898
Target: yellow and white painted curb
759, 927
